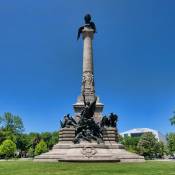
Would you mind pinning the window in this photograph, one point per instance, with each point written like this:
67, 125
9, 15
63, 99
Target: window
136, 134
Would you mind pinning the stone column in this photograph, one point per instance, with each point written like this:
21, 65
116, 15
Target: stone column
88, 77
87, 87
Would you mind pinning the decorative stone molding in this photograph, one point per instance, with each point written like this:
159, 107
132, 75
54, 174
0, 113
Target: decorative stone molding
88, 84
88, 151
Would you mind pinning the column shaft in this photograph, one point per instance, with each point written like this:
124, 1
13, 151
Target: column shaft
87, 55
88, 78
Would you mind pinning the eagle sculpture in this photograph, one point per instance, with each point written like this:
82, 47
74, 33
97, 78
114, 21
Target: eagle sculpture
88, 23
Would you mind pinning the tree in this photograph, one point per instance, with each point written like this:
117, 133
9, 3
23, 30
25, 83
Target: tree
7, 149
120, 139
54, 138
11, 123
11, 128
2, 136
172, 119
41, 147
34, 139
130, 143
160, 149
46, 136
22, 144
51, 138
147, 145
171, 144
31, 152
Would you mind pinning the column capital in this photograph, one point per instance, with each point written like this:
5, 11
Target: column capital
87, 32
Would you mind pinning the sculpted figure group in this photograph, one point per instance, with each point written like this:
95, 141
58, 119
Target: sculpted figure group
109, 121
86, 128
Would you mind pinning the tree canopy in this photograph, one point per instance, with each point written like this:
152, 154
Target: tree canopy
11, 123
172, 119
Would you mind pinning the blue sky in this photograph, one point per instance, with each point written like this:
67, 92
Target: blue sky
134, 58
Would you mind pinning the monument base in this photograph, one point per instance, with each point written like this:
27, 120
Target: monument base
79, 105
89, 152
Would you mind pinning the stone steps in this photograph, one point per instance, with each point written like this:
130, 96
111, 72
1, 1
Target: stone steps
89, 152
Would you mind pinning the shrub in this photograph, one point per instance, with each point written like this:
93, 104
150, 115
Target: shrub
147, 145
30, 152
41, 147
171, 144
130, 143
7, 149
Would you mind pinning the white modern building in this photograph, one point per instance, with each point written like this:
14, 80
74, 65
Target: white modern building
137, 132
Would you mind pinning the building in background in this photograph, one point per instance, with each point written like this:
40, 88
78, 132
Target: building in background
137, 132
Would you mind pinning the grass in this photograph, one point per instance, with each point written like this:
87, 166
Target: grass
37, 168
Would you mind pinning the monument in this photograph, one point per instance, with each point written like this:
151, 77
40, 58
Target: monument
88, 85
88, 136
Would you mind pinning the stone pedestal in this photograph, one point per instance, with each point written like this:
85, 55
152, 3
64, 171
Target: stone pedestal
67, 135
109, 151
98, 109
109, 135
89, 152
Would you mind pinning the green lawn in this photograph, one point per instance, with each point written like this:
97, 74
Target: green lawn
36, 168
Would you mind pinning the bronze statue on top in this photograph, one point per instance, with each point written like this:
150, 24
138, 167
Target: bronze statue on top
88, 24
